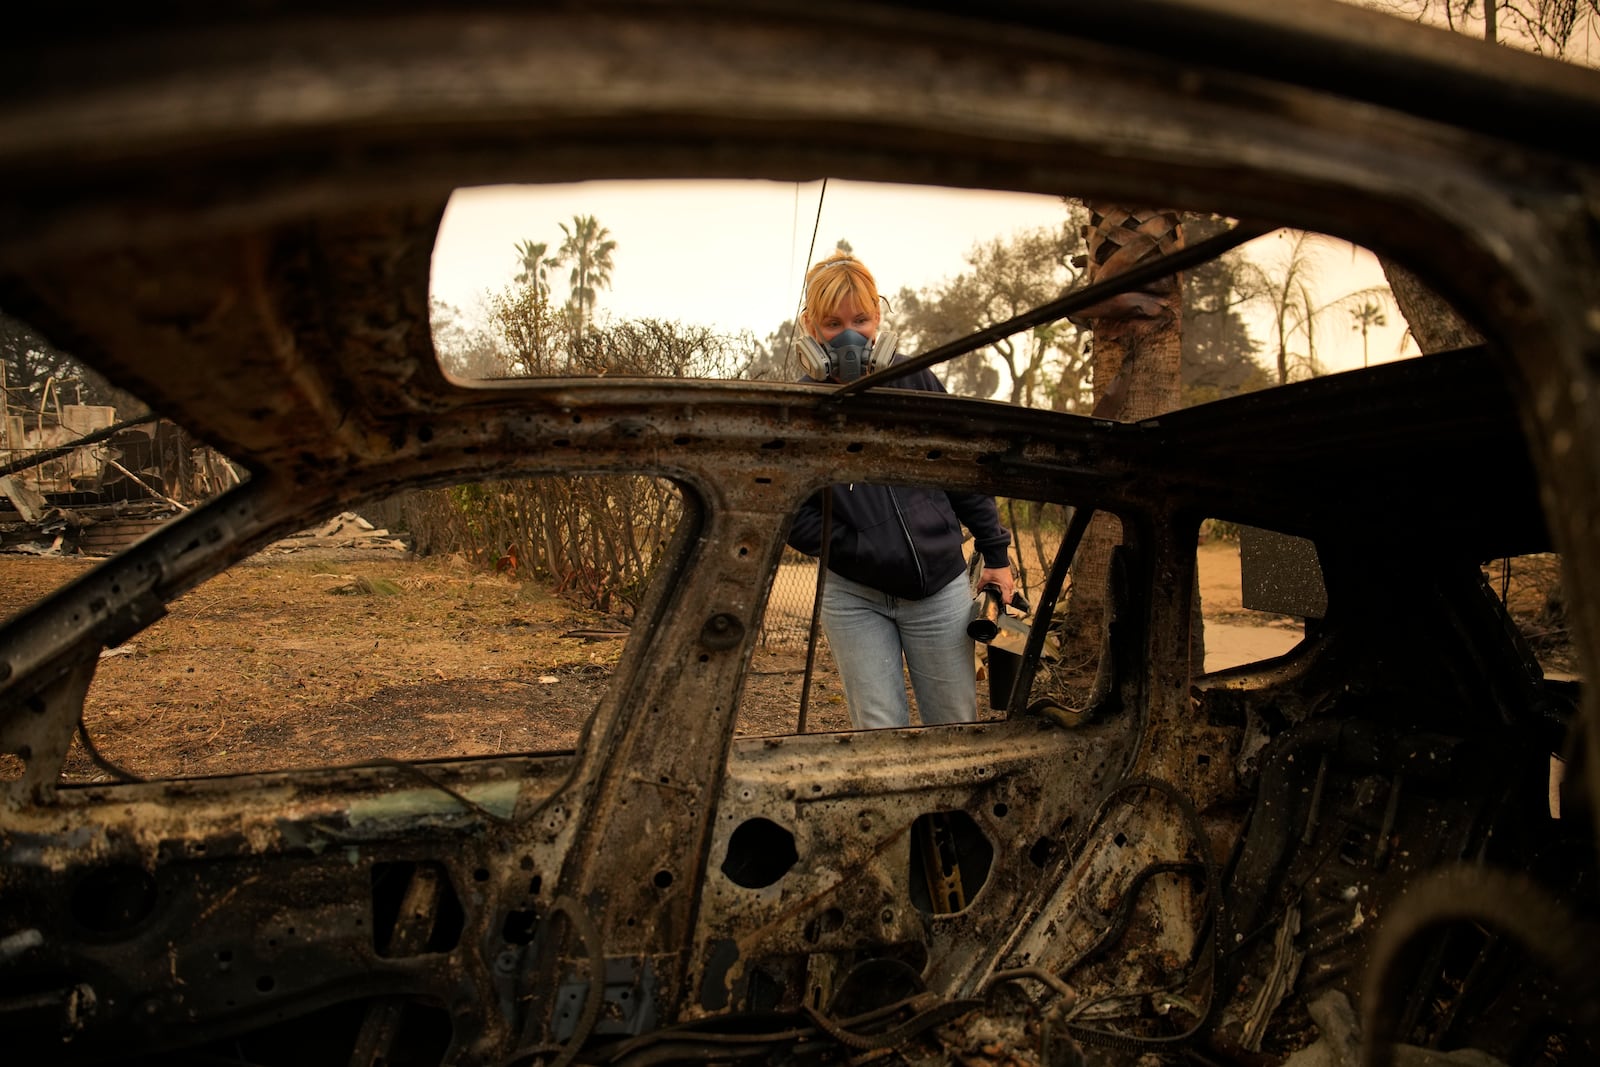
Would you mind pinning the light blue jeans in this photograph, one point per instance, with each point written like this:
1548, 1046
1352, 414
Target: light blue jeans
876, 638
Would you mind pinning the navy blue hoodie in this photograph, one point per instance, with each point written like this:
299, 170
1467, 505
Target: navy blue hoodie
901, 540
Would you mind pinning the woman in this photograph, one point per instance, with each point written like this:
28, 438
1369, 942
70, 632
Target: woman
896, 596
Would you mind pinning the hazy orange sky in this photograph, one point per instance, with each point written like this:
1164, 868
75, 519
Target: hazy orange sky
731, 254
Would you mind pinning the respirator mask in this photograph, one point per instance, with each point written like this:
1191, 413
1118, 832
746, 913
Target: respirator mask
848, 356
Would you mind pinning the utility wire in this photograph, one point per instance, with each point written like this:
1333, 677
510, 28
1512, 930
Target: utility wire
1065, 305
811, 250
827, 506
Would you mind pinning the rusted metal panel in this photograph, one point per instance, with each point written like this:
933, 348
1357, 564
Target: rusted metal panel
178, 220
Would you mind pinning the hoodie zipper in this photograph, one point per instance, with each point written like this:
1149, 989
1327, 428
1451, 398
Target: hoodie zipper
922, 579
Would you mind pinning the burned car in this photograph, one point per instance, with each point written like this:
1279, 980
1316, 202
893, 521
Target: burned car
232, 214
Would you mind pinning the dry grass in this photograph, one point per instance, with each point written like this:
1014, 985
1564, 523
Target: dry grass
291, 661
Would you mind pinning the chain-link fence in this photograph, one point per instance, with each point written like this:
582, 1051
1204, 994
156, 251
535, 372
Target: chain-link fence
794, 590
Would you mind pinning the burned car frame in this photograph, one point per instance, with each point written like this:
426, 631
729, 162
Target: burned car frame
232, 215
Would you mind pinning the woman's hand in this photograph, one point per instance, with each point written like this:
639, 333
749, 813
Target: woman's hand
1001, 577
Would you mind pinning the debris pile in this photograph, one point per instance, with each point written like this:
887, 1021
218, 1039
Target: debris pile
347, 530
75, 480
30, 523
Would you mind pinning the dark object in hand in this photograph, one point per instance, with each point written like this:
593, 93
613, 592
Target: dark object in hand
987, 608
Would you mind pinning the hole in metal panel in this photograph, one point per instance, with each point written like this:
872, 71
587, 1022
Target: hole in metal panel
759, 853
950, 862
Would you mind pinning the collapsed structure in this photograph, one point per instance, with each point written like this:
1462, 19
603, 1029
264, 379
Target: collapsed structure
75, 478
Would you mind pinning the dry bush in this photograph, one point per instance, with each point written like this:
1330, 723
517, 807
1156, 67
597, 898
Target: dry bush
593, 539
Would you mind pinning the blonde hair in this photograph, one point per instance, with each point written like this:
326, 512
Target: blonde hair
832, 281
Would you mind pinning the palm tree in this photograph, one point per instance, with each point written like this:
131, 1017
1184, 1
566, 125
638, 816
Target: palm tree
1137, 336
1368, 315
1289, 289
535, 266
1138, 356
1287, 285
587, 246
1434, 325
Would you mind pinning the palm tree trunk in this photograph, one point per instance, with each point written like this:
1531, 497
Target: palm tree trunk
1434, 324
1138, 350
1137, 359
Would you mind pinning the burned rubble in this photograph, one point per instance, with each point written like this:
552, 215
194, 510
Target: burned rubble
76, 479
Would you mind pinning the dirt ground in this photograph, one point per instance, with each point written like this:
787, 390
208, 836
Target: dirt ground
324, 659
290, 660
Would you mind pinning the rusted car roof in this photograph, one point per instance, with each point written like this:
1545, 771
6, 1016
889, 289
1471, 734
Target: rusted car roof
232, 215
